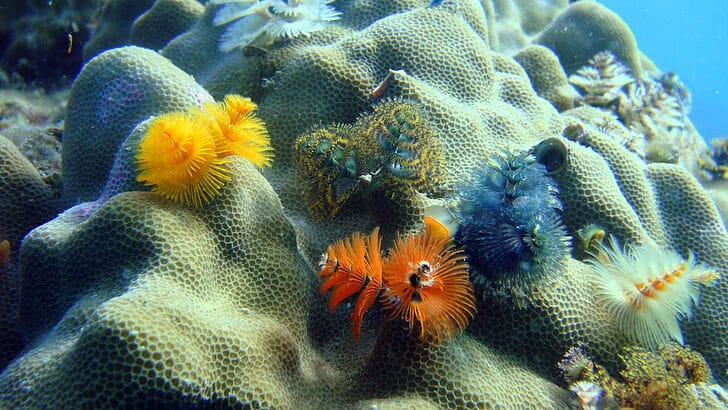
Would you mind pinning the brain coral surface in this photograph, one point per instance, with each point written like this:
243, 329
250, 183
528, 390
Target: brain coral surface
133, 300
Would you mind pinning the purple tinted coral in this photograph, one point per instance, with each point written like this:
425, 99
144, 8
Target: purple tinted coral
510, 224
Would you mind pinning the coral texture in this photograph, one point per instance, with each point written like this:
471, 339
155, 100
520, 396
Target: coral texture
477, 101
114, 26
586, 28
670, 376
112, 94
145, 23
164, 21
547, 76
25, 203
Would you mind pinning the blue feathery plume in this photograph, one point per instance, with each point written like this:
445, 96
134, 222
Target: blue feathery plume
510, 223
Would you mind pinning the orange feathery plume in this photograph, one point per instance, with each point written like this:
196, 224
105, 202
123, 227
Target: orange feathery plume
238, 131
179, 159
426, 284
352, 266
436, 229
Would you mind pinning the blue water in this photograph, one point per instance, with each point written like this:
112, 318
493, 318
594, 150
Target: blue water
689, 38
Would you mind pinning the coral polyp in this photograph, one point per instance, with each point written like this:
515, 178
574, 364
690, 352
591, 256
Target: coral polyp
510, 225
648, 290
351, 266
179, 159
426, 284
261, 23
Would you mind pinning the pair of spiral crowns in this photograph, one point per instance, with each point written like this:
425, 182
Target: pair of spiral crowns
391, 150
182, 154
423, 280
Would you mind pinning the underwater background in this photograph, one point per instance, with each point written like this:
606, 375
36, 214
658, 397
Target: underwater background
358, 204
688, 38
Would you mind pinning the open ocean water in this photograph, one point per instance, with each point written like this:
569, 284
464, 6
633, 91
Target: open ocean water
689, 38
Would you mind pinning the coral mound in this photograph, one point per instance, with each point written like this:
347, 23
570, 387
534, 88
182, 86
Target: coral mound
133, 300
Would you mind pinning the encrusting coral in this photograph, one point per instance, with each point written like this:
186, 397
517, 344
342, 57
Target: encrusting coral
601, 182
145, 23
547, 76
231, 288
162, 22
586, 28
671, 376
113, 93
26, 202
